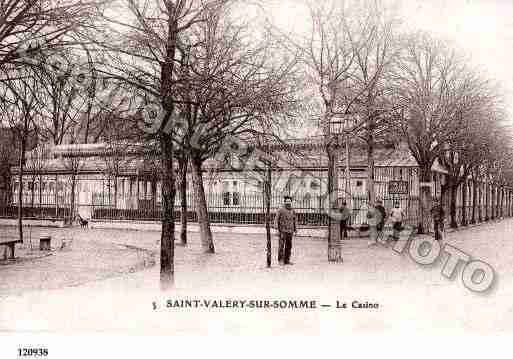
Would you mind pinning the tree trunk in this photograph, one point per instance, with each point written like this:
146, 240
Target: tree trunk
40, 192
207, 241
32, 192
115, 192
481, 201
464, 203
348, 171
474, 200
331, 222
487, 200
109, 192
153, 194
334, 245
183, 200
423, 223
492, 204
499, 203
443, 193
56, 197
510, 202
167, 239
72, 199
20, 192
267, 198
370, 168
167, 242
453, 188
138, 190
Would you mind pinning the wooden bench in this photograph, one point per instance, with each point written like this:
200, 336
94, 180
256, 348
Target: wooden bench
10, 242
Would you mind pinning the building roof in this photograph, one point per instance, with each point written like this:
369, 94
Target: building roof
130, 158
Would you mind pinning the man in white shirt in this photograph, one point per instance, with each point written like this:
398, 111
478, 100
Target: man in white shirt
397, 217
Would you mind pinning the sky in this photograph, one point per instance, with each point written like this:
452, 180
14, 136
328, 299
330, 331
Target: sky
482, 29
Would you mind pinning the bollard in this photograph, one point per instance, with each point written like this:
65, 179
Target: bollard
44, 243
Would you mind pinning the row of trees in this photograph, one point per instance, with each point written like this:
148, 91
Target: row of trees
184, 77
104, 80
379, 82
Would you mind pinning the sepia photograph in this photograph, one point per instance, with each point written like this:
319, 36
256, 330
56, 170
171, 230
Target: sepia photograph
254, 167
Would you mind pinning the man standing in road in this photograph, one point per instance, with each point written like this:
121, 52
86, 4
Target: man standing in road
376, 216
285, 223
382, 216
345, 216
396, 216
373, 221
438, 215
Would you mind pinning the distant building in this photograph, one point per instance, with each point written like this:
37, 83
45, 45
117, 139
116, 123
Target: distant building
125, 177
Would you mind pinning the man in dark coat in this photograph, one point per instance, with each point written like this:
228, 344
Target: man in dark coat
286, 223
345, 216
383, 215
438, 215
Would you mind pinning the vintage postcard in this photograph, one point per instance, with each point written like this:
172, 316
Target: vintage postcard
225, 167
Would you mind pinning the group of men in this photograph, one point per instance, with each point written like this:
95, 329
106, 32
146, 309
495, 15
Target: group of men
285, 222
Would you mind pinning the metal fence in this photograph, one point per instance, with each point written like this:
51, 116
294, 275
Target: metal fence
243, 209
231, 208
38, 206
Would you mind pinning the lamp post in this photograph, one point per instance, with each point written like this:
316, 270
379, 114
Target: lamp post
338, 129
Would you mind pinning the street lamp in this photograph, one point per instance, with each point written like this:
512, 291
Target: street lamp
337, 129
343, 128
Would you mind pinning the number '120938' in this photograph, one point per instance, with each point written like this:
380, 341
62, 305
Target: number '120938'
32, 352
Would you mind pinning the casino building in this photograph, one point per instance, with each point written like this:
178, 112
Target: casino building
121, 182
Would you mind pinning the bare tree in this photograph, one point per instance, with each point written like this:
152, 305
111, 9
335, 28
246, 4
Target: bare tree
28, 27
73, 164
429, 81
329, 60
232, 86
115, 158
35, 163
347, 55
370, 30
7, 159
20, 107
477, 111
146, 58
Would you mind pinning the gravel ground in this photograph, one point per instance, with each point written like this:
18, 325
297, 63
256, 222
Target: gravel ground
410, 297
84, 258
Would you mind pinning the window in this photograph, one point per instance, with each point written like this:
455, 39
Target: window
235, 194
230, 193
359, 183
236, 199
226, 198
